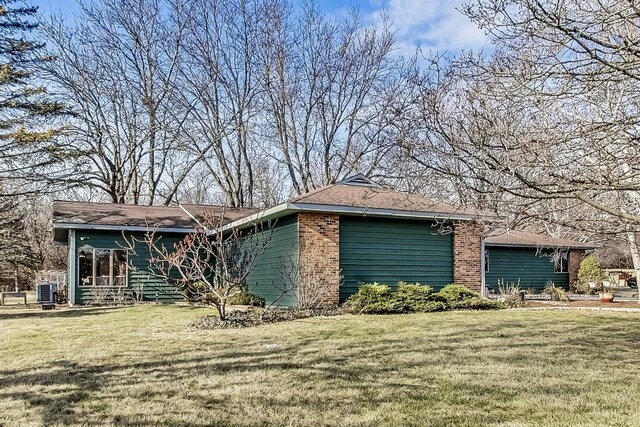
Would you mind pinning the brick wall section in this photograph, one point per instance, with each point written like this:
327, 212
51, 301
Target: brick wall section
467, 261
575, 258
320, 257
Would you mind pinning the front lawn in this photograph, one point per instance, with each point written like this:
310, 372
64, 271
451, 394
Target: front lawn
142, 366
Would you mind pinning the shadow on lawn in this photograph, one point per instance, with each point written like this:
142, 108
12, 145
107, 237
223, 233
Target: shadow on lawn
61, 386
38, 313
66, 392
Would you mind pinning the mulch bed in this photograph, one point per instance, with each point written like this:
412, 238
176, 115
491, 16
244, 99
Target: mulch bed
250, 317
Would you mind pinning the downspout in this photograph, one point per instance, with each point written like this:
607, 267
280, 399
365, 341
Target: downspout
72, 269
482, 268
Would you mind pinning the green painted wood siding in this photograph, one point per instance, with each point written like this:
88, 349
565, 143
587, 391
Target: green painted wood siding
390, 250
531, 268
267, 278
153, 288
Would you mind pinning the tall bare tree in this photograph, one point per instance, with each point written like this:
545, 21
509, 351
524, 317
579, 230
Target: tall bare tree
330, 92
116, 68
219, 80
546, 128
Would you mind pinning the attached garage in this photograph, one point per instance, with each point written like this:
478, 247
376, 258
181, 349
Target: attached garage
389, 251
531, 260
530, 267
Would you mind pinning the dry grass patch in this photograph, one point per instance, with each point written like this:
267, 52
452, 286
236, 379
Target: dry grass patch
143, 366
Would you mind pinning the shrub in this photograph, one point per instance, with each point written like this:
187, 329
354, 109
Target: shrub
193, 291
432, 306
372, 298
589, 271
197, 292
380, 299
246, 298
556, 292
383, 307
477, 303
459, 297
413, 297
454, 293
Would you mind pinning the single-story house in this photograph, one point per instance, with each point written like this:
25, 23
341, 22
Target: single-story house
329, 240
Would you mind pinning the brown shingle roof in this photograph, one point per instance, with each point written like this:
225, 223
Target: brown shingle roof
371, 197
525, 238
122, 215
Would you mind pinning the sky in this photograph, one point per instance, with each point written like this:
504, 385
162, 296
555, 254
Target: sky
432, 25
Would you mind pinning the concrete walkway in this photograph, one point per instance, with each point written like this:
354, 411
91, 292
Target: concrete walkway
622, 309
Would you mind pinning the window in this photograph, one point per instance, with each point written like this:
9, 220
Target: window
486, 260
102, 267
561, 262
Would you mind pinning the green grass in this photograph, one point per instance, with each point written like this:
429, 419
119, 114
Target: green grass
142, 366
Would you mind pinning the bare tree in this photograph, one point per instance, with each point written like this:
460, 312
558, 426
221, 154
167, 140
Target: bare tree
331, 93
545, 130
219, 83
116, 68
309, 293
209, 265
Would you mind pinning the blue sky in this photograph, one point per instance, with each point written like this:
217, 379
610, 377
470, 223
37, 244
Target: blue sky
434, 25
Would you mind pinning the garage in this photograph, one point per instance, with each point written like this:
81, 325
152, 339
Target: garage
387, 250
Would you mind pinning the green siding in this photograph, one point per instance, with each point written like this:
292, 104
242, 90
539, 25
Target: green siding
532, 268
154, 288
390, 250
276, 263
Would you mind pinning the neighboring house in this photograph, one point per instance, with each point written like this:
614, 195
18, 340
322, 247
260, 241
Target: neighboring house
531, 260
324, 243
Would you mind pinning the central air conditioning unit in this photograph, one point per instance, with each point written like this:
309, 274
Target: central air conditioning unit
46, 295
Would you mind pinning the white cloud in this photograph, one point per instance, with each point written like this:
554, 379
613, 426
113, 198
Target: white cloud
436, 25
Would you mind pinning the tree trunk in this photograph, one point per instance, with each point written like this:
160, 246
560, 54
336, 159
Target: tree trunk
221, 310
635, 256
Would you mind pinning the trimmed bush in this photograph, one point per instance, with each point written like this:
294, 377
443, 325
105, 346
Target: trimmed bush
454, 293
371, 298
246, 298
589, 271
415, 298
477, 303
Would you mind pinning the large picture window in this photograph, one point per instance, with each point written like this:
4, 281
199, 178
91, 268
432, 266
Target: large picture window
102, 267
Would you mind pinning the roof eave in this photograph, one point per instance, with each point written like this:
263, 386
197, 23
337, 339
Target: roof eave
379, 212
547, 246
105, 227
289, 208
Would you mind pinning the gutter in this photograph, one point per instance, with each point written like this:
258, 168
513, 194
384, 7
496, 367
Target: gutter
529, 245
483, 260
289, 208
75, 226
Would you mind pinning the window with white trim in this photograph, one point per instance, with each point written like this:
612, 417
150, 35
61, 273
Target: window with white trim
561, 262
102, 267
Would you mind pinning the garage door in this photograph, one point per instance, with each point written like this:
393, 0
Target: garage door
390, 250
